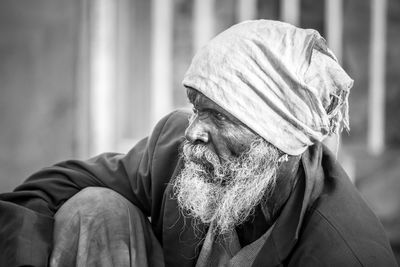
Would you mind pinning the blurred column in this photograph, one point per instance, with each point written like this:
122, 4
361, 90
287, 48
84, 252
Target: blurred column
103, 75
125, 115
334, 37
204, 22
334, 26
376, 126
290, 11
161, 79
246, 9
83, 84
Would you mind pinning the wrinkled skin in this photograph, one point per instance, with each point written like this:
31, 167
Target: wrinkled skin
226, 136
217, 129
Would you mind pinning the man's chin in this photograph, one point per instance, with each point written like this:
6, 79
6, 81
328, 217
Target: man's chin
212, 202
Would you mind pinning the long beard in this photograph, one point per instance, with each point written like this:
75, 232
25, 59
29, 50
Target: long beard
226, 193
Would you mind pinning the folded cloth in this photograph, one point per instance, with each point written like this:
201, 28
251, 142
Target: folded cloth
281, 81
99, 227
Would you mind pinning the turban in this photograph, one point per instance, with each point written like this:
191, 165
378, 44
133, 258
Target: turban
281, 81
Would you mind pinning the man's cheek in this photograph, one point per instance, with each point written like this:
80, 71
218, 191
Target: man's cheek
242, 141
234, 146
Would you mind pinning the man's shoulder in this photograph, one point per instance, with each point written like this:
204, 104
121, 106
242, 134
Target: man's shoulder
173, 124
165, 143
341, 228
169, 132
179, 115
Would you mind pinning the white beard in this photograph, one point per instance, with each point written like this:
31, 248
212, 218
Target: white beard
225, 194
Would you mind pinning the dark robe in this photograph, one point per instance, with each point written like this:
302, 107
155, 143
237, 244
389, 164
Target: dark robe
325, 221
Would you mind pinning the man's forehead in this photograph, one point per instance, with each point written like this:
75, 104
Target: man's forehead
200, 101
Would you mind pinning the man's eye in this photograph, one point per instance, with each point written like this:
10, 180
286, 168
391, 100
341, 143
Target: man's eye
220, 116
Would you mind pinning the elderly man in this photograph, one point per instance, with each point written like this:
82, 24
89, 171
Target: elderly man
245, 183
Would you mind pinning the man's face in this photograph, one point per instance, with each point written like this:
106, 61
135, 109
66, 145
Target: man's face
228, 169
215, 128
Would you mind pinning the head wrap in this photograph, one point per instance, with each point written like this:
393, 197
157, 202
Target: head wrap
279, 80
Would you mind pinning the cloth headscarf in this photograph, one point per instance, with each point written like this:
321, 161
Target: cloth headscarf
279, 80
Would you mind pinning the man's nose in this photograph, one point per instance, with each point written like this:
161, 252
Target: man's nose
197, 131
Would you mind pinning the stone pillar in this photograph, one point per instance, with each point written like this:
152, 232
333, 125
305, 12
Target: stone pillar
204, 22
246, 10
103, 76
290, 11
376, 126
161, 79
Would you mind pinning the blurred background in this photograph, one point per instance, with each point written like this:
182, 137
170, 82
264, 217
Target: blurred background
81, 77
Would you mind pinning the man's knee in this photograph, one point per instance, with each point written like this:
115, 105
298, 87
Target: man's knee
97, 201
98, 221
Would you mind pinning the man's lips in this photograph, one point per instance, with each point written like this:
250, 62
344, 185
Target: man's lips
197, 161
208, 166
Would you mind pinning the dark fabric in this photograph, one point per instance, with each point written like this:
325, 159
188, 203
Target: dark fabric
252, 228
324, 222
98, 227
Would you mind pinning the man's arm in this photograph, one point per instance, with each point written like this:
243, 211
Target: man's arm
26, 215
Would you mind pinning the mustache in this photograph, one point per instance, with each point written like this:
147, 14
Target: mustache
199, 153
203, 158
